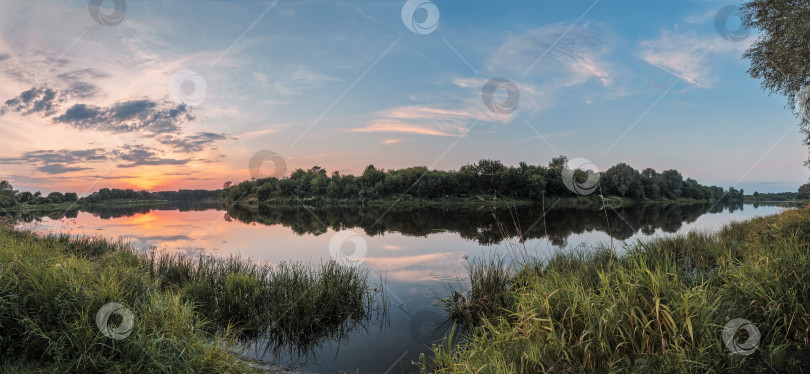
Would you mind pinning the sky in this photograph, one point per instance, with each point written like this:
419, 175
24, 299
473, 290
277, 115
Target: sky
164, 95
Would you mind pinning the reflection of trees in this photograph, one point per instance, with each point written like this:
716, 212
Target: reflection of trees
479, 224
104, 212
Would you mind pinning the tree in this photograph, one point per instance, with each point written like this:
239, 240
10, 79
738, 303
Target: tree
7, 194
558, 163
780, 56
56, 197
620, 179
371, 176
673, 181
25, 197
804, 191
71, 196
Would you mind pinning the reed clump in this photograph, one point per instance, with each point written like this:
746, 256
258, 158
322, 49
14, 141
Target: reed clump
289, 305
187, 312
659, 307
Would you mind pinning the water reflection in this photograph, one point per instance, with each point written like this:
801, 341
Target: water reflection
486, 226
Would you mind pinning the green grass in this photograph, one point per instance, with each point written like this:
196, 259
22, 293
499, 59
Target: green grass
660, 307
187, 311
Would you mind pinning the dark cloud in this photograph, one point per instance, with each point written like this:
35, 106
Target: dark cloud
58, 161
31, 101
46, 101
64, 156
64, 161
190, 143
127, 116
138, 155
4, 56
59, 168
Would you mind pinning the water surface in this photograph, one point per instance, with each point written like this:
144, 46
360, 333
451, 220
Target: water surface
416, 250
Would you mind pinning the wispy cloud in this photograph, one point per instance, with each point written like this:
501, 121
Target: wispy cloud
571, 55
423, 120
190, 143
685, 54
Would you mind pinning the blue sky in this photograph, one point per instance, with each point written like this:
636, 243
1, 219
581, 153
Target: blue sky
181, 94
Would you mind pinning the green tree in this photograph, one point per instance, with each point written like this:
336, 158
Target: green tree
25, 197
673, 181
7, 194
804, 191
620, 179
780, 55
56, 197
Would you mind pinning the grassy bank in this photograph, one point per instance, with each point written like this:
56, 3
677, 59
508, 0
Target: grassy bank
661, 307
186, 311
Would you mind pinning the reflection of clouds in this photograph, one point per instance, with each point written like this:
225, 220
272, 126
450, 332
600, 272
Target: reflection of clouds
192, 251
163, 237
442, 266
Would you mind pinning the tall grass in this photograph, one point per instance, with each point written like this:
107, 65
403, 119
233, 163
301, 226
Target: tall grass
289, 305
186, 310
661, 307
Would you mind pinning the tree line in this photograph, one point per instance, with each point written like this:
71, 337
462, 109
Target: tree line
486, 178
106, 194
10, 197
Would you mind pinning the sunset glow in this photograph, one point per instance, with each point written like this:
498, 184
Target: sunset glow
179, 95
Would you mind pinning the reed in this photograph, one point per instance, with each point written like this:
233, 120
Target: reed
188, 312
660, 307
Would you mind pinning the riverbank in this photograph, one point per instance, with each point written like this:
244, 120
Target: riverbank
74, 205
171, 314
588, 202
661, 307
